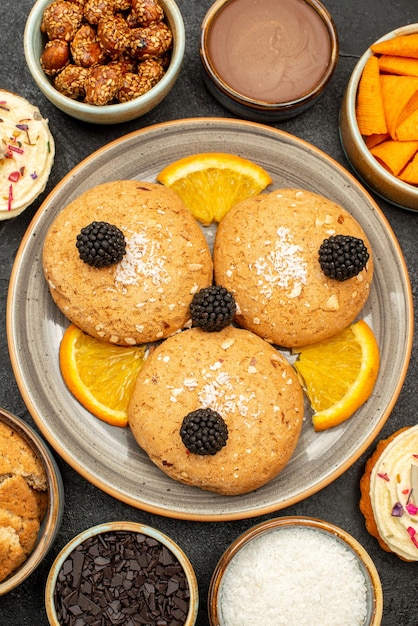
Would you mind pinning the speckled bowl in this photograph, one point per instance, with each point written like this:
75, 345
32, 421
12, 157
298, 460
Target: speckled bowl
262, 533
252, 108
33, 42
52, 520
125, 527
367, 168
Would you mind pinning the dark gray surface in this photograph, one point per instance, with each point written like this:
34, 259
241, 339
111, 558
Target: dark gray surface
359, 23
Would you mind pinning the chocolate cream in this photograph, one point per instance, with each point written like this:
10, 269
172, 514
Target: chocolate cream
269, 50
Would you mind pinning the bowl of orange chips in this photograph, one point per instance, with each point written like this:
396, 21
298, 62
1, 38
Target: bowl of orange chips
379, 117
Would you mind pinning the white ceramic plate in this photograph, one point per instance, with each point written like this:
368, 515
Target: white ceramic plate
108, 456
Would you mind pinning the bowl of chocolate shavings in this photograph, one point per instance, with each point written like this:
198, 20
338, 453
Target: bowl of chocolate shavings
122, 573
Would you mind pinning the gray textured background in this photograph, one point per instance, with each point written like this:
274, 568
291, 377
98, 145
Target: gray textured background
359, 23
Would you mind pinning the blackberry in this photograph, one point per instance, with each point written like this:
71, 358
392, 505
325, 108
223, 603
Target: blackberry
204, 432
342, 256
101, 244
212, 308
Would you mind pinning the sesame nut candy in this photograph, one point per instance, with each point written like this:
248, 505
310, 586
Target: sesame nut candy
152, 70
114, 35
94, 10
147, 12
131, 20
102, 84
85, 48
71, 81
152, 41
133, 86
62, 19
164, 60
122, 5
125, 63
55, 56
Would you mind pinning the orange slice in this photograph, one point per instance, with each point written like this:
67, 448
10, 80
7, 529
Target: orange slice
99, 374
338, 374
210, 183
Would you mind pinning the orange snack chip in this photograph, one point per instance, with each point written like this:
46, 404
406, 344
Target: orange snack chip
407, 128
373, 140
400, 46
402, 66
410, 173
394, 155
397, 91
370, 109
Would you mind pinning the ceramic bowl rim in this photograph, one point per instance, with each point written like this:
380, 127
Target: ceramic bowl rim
66, 104
230, 92
297, 521
351, 96
53, 516
129, 526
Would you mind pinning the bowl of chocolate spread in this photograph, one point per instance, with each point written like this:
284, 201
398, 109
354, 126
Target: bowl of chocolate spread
268, 60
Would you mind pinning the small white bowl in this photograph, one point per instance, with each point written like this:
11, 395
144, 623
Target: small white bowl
51, 522
33, 42
302, 548
96, 536
367, 168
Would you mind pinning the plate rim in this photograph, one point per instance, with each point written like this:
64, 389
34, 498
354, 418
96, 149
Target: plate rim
99, 482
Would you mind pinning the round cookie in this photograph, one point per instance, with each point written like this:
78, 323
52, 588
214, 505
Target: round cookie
19, 520
12, 555
387, 488
239, 375
146, 296
266, 253
18, 458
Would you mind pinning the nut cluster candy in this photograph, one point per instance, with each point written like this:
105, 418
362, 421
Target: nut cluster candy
105, 51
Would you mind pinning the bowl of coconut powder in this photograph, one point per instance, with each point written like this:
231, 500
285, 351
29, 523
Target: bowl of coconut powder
295, 571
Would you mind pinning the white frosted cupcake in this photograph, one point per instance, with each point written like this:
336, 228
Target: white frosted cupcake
27, 153
389, 494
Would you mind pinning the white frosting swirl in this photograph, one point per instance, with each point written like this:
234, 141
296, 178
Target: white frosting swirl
26, 154
392, 485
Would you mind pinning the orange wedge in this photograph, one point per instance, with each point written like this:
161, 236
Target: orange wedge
338, 374
99, 374
210, 183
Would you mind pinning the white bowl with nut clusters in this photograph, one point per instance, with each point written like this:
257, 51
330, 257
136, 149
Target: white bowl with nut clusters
105, 66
